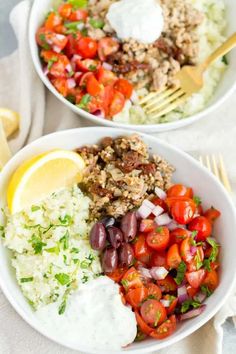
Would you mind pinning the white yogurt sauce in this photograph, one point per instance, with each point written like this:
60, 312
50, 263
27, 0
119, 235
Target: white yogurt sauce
95, 317
138, 19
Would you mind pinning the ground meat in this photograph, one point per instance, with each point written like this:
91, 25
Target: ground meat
120, 174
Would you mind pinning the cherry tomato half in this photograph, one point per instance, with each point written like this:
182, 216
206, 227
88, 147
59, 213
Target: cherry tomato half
165, 329
132, 279
117, 103
93, 87
178, 235
159, 238
173, 256
212, 214
107, 46
106, 77
87, 47
153, 312
135, 297
185, 250
158, 259
179, 190
195, 279
211, 280
52, 21
203, 227
142, 324
125, 87
141, 250
154, 291
183, 211
168, 284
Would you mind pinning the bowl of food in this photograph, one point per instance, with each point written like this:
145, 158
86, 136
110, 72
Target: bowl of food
98, 224
99, 61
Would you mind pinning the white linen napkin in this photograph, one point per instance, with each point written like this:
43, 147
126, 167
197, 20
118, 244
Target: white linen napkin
22, 90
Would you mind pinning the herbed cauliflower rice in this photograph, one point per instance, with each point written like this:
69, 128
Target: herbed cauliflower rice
51, 250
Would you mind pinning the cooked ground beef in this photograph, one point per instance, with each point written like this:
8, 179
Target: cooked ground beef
120, 174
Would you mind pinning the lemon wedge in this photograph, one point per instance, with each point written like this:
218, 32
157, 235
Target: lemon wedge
42, 175
10, 121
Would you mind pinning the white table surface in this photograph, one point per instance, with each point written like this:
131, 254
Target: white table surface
7, 45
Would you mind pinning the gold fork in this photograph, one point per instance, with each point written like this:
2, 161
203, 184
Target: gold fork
190, 80
215, 164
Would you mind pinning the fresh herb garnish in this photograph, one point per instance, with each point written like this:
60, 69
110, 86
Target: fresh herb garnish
35, 208
125, 283
197, 200
225, 60
66, 220
189, 303
55, 250
71, 98
197, 259
84, 101
62, 278
92, 67
205, 290
51, 61
194, 233
84, 264
2, 231
78, 4
213, 256
180, 273
62, 307
158, 316
159, 229
74, 250
65, 241
73, 25
26, 280
85, 279
43, 41
37, 244
96, 22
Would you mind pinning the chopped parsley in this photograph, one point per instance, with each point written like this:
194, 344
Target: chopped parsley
85, 279
37, 244
2, 231
75, 250
84, 264
197, 200
214, 253
186, 305
92, 67
225, 60
35, 208
26, 280
66, 220
62, 307
84, 102
51, 61
125, 283
55, 250
197, 259
205, 290
71, 98
72, 25
180, 273
194, 233
62, 278
159, 229
78, 4
43, 41
96, 22
65, 241
158, 316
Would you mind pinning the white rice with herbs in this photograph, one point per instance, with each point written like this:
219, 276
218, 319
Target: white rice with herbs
51, 250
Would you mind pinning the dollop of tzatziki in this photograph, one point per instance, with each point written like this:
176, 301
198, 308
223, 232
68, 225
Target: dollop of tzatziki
95, 317
138, 19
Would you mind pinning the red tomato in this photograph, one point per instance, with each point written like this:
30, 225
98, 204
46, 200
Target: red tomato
160, 202
107, 46
185, 250
78, 15
93, 87
178, 235
153, 312
136, 296
106, 77
65, 10
202, 226
179, 190
198, 258
183, 211
58, 68
199, 210
117, 103
211, 280
154, 291
87, 47
173, 303
95, 104
117, 275
146, 225
60, 29
125, 87
86, 65
173, 256
159, 238
158, 259
212, 214
61, 85
191, 291
84, 78
107, 97
165, 329
214, 265
195, 279
142, 324
52, 21
40, 36
141, 250
71, 46
168, 284
131, 279
49, 55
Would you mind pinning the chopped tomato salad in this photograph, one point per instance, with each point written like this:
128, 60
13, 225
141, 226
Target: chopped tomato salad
170, 257
76, 64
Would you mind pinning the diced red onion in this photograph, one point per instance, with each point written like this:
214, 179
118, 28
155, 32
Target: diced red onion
80, 26
163, 219
192, 313
160, 193
182, 293
68, 67
75, 58
165, 303
45, 70
157, 210
144, 211
193, 250
98, 113
56, 49
199, 297
149, 204
71, 83
107, 66
145, 272
158, 273
77, 76
60, 37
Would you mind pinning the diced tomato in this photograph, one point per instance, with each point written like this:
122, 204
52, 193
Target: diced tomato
49, 55
185, 250
132, 279
71, 46
212, 214
86, 65
154, 291
158, 259
146, 225
41, 37
59, 67
117, 104
165, 329
106, 77
93, 87
211, 280
199, 210
95, 104
117, 274
153, 312
135, 296
141, 250
183, 211
107, 97
125, 87
60, 29
87, 47
179, 190
65, 10
159, 238
191, 291
214, 265
61, 85
173, 303
173, 256
52, 21
195, 279
158, 201
106, 47
78, 15
142, 324
84, 79
168, 284
178, 235
203, 227
198, 258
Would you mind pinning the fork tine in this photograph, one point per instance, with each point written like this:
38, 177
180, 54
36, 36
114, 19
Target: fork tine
172, 106
166, 101
208, 163
148, 97
223, 174
215, 167
157, 98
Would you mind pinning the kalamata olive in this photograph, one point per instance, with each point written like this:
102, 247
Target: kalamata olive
108, 221
98, 236
115, 236
129, 226
126, 255
110, 260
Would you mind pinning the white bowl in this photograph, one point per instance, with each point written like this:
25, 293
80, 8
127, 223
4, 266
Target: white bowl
224, 89
189, 172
